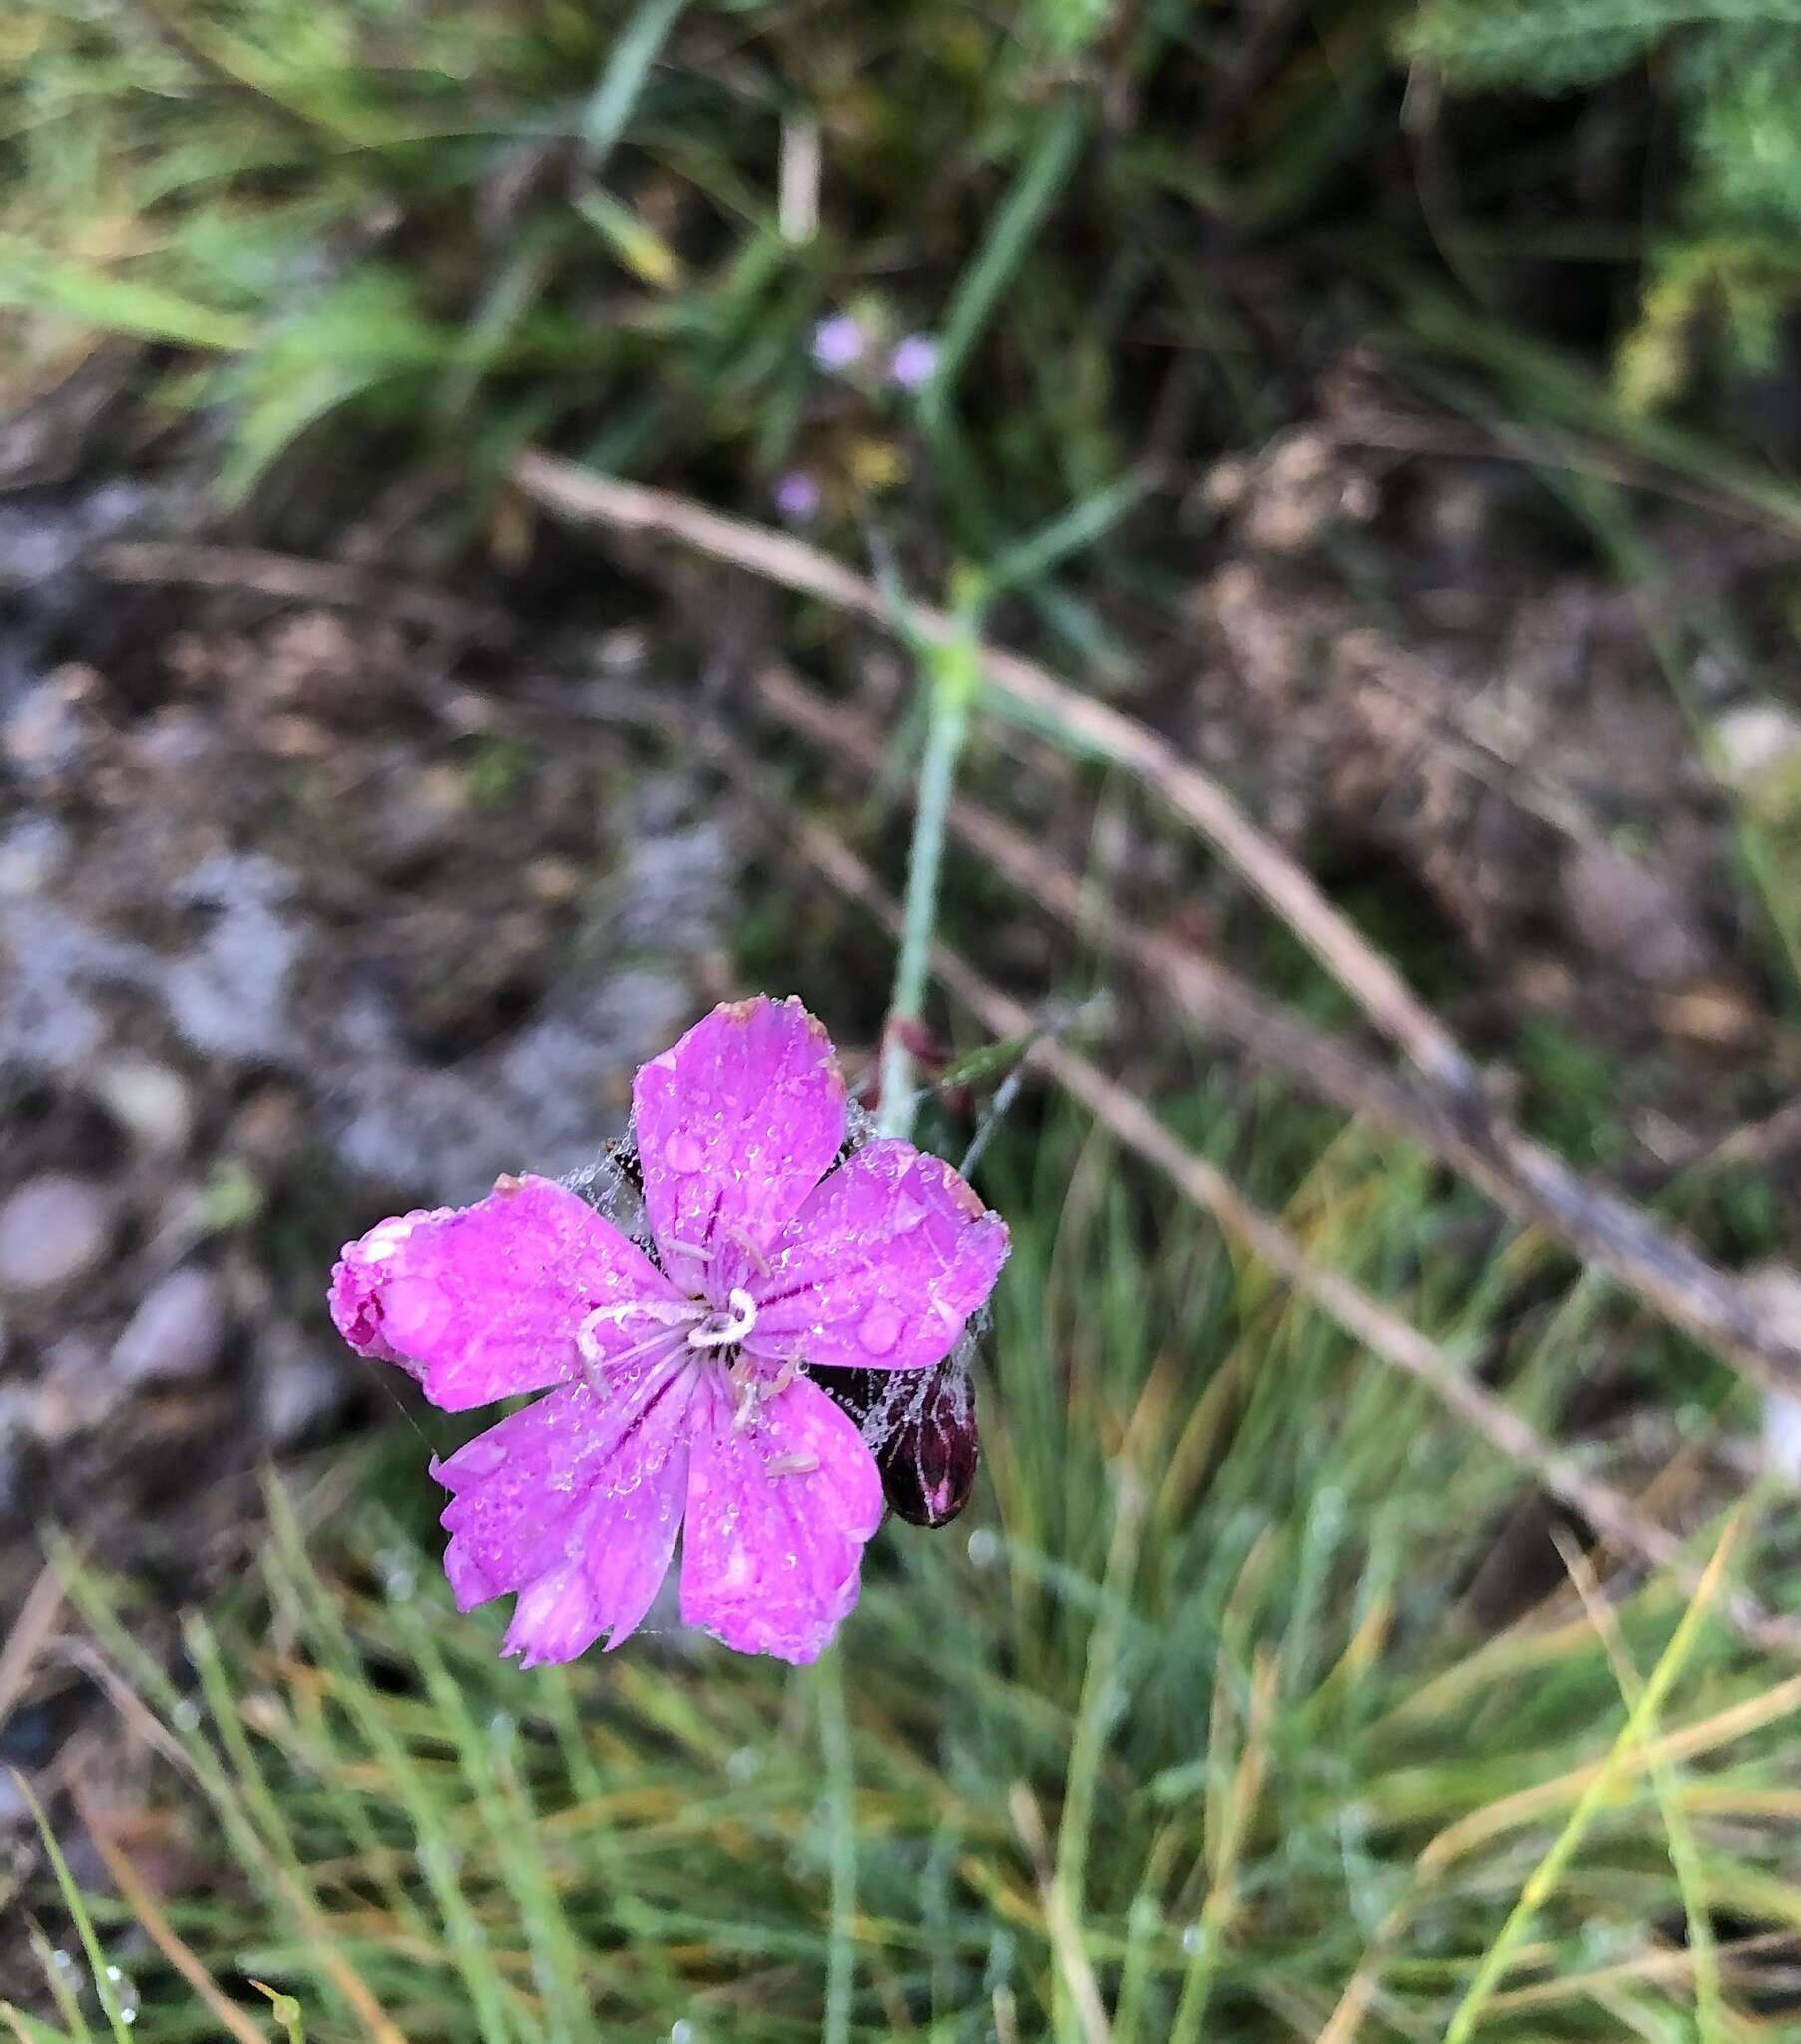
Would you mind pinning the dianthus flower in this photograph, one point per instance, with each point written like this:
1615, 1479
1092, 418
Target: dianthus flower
681, 1399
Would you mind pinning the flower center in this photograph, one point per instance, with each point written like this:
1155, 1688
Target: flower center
726, 1330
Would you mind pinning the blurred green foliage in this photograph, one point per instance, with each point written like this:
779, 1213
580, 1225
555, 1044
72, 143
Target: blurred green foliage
1724, 230
616, 225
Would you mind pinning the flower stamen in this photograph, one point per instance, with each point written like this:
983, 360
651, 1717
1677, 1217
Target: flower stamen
665, 1315
727, 1330
800, 1462
742, 1238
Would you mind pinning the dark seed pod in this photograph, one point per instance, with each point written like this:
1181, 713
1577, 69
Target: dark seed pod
929, 1464
922, 1431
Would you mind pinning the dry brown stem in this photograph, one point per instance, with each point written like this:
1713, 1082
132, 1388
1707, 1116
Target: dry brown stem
1600, 1225
1385, 1333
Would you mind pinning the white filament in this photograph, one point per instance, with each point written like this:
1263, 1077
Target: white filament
727, 1331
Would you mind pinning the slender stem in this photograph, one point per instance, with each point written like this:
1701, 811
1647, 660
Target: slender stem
953, 672
840, 1785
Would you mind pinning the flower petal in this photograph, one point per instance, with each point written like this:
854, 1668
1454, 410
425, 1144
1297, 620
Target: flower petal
735, 1126
479, 1303
777, 1517
575, 1503
882, 1267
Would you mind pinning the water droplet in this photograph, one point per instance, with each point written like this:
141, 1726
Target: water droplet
1194, 1940
682, 2031
881, 1328
400, 1578
185, 1715
743, 1763
984, 1548
682, 1151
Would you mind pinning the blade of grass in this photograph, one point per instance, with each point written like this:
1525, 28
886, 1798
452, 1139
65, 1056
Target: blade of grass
76, 1905
1100, 1703
952, 677
1703, 1955
623, 76
1069, 533
155, 1925
29, 2031
1541, 1884
68, 2006
556, 1956
1208, 1933
1048, 159
438, 1858
289, 1894
120, 304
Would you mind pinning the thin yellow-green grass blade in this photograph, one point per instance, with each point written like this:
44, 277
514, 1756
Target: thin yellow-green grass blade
622, 80
1543, 1880
1710, 2018
76, 1905
1021, 214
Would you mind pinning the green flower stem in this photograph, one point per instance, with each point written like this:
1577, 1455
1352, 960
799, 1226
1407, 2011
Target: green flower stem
953, 672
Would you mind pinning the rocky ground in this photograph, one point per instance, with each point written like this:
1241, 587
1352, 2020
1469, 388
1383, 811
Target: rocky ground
304, 912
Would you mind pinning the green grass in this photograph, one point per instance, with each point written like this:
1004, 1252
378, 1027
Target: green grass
466, 227
1219, 1623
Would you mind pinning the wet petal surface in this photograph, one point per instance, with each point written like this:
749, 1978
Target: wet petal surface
882, 1267
735, 1126
777, 1518
480, 1302
575, 1504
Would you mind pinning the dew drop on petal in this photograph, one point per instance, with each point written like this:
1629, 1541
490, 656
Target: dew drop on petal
880, 1329
682, 1151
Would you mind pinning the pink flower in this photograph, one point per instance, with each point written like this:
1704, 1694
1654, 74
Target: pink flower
798, 496
678, 1393
839, 343
914, 361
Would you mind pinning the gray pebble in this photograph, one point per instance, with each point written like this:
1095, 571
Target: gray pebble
301, 1387
1632, 916
177, 1330
146, 1099
51, 1229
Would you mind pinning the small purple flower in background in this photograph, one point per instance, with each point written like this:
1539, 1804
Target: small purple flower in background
798, 497
680, 1398
914, 361
839, 343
